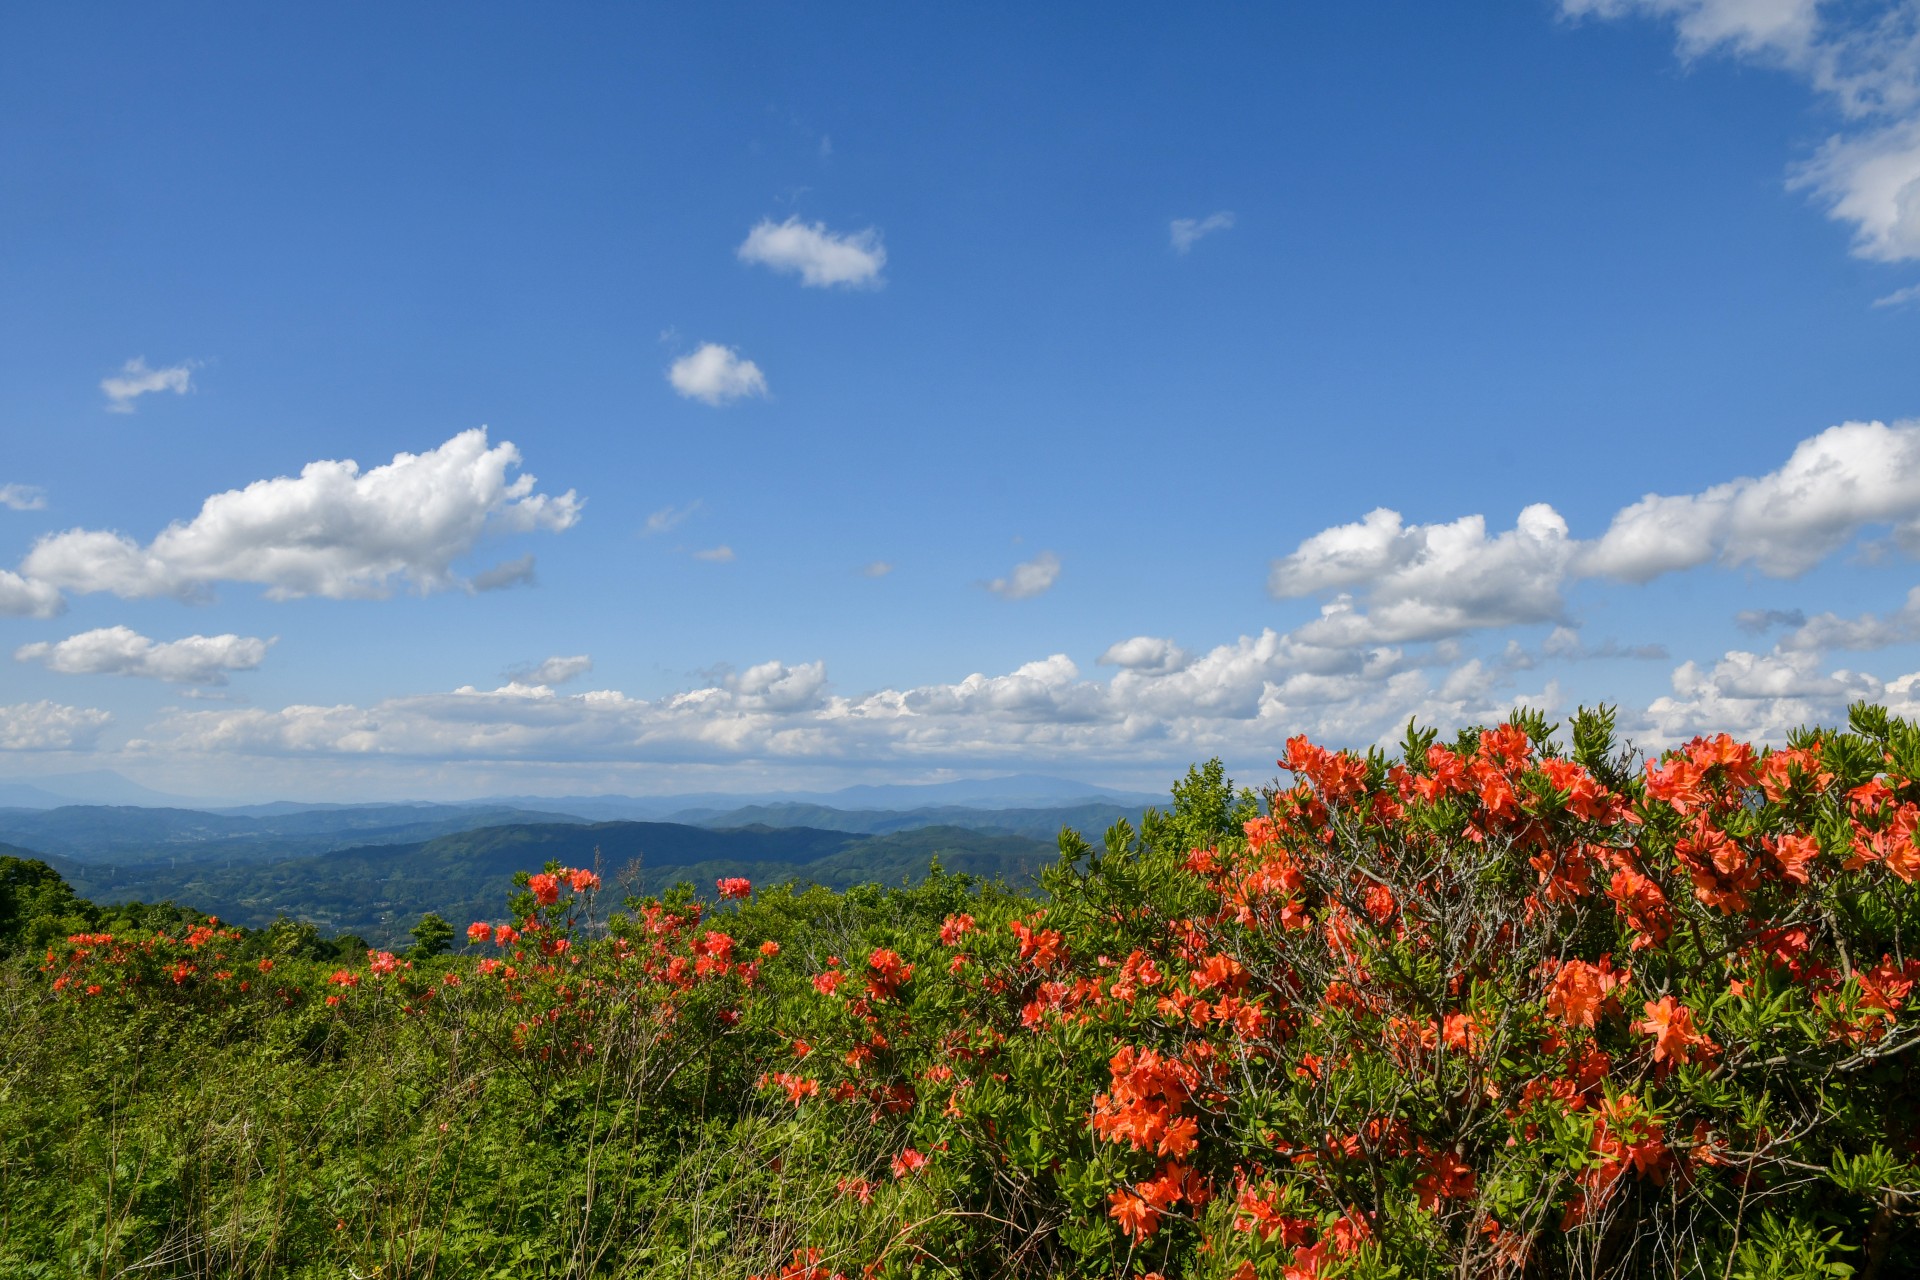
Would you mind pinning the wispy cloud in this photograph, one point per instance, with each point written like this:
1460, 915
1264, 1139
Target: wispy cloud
1031, 578
821, 258
716, 375
878, 569
518, 572
722, 554
23, 497
135, 379
553, 671
668, 518
1899, 297
1757, 622
1186, 232
1863, 59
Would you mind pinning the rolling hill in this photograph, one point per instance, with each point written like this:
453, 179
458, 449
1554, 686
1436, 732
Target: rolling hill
380, 890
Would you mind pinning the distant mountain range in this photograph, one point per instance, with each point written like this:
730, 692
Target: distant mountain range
373, 869
97, 786
1018, 791
126, 833
379, 891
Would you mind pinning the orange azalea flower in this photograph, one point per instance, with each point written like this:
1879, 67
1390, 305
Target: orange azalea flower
1675, 1038
1581, 992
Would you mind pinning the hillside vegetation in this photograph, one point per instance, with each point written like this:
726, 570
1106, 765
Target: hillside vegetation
378, 891
1510, 1004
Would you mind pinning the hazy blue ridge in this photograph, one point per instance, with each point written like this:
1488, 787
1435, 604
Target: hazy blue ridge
380, 890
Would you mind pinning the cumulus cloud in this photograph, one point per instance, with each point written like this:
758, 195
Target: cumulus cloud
1765, 696
1423, 582
1146, 653
1863, 59
821, 258
1389, 582
198, 660
1864, 631
135, 379
1236, 700
334, 530
1185, 232
722, 554
1029, 579
553, 671
49, 726
1783, 523
23, 497
26, 598
669, 518
716, 375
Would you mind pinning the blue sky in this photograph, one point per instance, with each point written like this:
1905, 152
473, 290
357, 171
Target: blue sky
883, 371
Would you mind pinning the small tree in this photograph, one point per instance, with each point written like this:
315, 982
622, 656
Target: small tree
433, 936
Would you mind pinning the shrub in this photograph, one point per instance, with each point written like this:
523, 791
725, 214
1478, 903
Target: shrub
1500, 1005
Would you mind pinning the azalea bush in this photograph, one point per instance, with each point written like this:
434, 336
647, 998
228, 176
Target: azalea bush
1500, 1005
1519, 1002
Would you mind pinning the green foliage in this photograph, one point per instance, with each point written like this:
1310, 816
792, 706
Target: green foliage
377, 891
1400, 1017
433, 936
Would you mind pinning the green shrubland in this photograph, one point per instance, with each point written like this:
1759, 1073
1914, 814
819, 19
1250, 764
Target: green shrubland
1512, 1003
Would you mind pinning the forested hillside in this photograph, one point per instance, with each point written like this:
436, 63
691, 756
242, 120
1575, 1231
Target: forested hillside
377, 891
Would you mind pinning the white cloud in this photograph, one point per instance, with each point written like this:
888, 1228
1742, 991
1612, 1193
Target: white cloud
878, 569
1864, 631
1764, 696
1760, 621
1864, 59
716, 375
334, 530
721, 554
1783, 523
1565, 643
1184, 232
1899, 297
201, 660
1777, 28
26, 598
1029, 578
1389, 582
820, 257
1424, 582
49, 726
1239, 700
1146, 654
517, 572
668, 518
135, 379
23, 497
775, 686
554, 671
